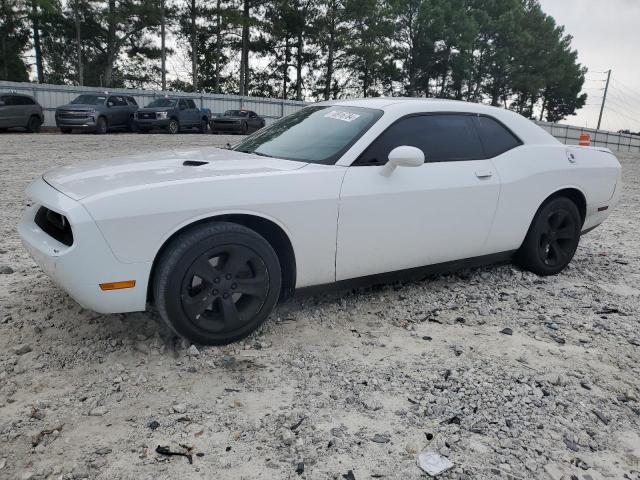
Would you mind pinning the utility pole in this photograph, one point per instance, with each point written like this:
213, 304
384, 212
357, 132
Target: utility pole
604, 98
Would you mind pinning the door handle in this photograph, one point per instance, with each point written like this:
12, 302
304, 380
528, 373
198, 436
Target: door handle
484, 173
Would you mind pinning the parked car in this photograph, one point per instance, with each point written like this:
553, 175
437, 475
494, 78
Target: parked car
21, 111
237, 121
337, 191
173, 114
97, 112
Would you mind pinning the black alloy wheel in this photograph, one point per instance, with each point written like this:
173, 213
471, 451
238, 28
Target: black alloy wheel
216, 283
552, 239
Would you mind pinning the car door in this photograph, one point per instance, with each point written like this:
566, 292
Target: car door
194, 112
439, 211
119, 111
183, 113
254, 121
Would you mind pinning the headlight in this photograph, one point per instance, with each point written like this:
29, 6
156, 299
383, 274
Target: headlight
162, 115
92, 111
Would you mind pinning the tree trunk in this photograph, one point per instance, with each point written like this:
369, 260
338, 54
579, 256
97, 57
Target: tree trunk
300, 52
285, 68
163, 49
3, 42
194, 46
244, 57
35, 20
111, 44
216, 79
330, 53
76, 18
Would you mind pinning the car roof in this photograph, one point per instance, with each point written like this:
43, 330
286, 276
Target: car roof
524, 128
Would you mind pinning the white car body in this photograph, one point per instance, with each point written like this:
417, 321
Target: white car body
342, 221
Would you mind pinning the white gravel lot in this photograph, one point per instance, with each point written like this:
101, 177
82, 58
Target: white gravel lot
356, 381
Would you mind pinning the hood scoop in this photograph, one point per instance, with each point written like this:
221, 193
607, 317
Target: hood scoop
193, 163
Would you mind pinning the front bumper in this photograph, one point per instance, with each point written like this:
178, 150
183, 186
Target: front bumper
152, 123
80, 268
80, 122
225, 126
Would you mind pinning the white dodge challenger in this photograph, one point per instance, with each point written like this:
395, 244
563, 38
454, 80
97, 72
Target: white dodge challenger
336, 191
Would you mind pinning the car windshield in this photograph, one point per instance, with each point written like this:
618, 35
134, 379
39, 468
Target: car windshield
163, 102
89, 100
236, 113
316, 134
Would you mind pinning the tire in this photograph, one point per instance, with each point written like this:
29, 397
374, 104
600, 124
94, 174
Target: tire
34, 123
552, 239
66, 130
174, 127
204, 126
200, 277
101, 126
245, 129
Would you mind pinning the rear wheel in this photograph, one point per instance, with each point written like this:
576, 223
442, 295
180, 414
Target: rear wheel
174, 126
101, 126
33, 126
244, 129
216, 283
552, 239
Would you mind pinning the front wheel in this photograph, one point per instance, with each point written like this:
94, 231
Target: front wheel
216, 283
204, 126
552, 239
174, 126
101, 126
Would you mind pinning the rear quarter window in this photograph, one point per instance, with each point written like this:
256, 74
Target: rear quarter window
496, 138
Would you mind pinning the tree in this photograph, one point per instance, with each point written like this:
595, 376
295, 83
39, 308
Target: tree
14, 41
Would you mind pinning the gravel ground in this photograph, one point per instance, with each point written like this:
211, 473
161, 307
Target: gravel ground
507, 374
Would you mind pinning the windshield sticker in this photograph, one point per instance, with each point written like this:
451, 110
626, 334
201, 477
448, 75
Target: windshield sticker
344, 116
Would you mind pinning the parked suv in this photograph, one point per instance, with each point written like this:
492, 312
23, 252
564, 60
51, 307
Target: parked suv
17, 110
172, 114
97, 112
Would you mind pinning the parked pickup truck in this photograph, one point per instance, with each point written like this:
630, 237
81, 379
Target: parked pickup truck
173, 114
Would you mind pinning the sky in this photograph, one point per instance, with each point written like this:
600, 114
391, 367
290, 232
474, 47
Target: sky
606, 34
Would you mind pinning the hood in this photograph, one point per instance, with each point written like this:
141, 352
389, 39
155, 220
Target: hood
156, 109
78, 106
229, 117
98, 177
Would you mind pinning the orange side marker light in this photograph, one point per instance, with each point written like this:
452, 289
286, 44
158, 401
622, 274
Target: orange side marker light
118, 285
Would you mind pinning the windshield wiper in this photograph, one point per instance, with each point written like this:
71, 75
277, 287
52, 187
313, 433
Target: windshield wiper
255, 153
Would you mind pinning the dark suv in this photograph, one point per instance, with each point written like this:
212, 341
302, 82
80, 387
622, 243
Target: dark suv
97, 112
17, 110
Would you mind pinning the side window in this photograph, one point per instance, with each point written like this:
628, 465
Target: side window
252, 115
496, 139
182, 104
118, 101
28, 101
11, 100
132, 101
442, 138
191, 103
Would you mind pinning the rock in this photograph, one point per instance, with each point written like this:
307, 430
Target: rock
3, 463
506, 331
287, 436
98, 411
571, 445
377, 438
635, 341
153, 424
300, 468
103, 451
193, 351
6, 270
21, 349
553, 472
179, 408
433, 463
